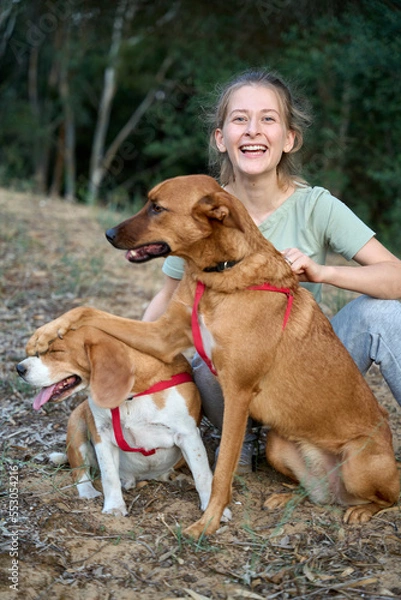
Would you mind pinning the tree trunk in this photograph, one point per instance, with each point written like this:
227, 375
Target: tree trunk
105, 165
69, 123
65, 151
55, 189
70, 166
9, 19
109, 90
40, 162
136, 116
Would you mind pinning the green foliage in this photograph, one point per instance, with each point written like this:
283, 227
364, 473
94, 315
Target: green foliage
344, 57
350, 70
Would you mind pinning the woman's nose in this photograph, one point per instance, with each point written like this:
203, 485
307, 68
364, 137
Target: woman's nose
253, 127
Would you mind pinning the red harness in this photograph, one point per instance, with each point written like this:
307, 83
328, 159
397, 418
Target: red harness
158, 387
196, 334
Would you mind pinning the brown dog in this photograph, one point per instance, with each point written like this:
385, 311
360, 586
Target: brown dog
275, 353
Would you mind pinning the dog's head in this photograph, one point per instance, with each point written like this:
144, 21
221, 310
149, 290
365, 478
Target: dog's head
84, 358
179, 213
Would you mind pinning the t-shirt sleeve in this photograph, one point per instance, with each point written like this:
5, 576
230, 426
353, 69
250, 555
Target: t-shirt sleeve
344, 232
174, 266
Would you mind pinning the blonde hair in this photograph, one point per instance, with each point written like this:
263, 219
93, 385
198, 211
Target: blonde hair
296, 119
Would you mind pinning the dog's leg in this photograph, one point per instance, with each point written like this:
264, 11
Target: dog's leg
284, 457
164, 338
236, 411
80, 452
365, 479
317, 471
370, 474
194, 452
108, 459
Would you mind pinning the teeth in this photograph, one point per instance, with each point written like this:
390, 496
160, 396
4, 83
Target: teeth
253, 148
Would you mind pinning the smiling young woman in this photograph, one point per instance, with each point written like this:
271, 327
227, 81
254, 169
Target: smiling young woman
254, 128
257, 129
255, 136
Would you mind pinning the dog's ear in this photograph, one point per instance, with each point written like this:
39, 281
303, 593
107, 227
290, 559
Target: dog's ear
112, 372
220, 206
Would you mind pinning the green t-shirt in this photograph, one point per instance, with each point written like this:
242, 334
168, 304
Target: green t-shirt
313, 221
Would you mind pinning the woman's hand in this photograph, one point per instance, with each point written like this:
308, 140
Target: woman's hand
303, 266
377, 274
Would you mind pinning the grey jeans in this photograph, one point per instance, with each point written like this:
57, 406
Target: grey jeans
370, 329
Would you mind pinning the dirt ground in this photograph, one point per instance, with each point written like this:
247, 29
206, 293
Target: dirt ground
54, 256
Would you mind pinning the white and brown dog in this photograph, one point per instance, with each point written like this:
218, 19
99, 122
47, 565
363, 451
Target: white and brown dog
141, 416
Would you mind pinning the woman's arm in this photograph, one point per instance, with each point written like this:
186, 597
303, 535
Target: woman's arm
159, 303
379, 273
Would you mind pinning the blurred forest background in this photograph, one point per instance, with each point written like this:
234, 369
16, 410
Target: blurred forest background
101, 100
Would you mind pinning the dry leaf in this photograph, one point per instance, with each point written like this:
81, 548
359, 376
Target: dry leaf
347, 572
365, 581
308, 574
195, 595
246, 594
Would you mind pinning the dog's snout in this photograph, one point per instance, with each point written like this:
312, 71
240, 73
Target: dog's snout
111, 234
21, 369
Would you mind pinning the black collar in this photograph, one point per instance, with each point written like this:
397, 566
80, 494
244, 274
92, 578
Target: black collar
222, 266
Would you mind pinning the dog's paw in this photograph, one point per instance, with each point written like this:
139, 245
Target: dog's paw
166, 478
58, 458
204, 526
86, 490
226, 516
42, 338
278, 501
178, 478
116, 511
89, 495
128, 484
362, 513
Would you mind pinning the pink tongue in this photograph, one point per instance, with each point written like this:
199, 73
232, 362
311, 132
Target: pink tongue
44, 395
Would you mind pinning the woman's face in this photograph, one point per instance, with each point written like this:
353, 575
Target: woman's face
254, 133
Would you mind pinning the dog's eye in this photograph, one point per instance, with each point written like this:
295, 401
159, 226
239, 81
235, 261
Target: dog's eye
156, 208
55, 351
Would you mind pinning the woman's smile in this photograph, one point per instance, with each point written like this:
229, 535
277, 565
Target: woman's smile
254, 133
253, 149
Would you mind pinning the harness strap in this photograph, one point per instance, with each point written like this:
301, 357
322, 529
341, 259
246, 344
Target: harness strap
271, 288
157, 387
196, 334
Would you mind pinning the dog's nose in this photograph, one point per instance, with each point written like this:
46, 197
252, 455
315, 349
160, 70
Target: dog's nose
111, 234
21, 369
